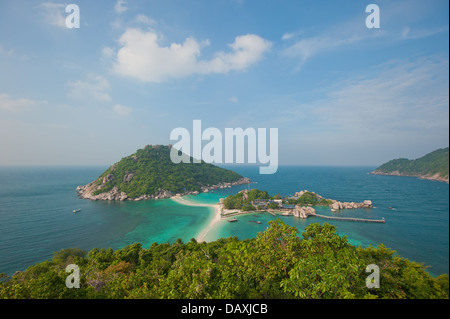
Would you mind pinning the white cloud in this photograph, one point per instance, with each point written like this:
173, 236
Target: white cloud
107, 52
392, 110
140, 18
352, 33
9, 104
234, 99
287, 36
3, 52
399, 98
142, 57
417, 33
291, 35
117, 23
96, 87
54, 14
120, 7
339, 36
306, 48
122, 110
246, 51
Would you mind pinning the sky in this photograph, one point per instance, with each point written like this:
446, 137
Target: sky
339, 93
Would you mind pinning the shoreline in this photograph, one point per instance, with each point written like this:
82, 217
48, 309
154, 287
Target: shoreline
299, 211
436, 177
87, 191
216, 219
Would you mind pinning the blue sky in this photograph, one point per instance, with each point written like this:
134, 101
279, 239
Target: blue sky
338, 92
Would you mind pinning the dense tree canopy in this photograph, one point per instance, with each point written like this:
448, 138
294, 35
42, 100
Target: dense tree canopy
243, 199
278, 263
436, 162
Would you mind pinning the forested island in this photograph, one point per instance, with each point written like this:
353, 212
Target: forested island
150, 174
278, 263
256, 199
434, 166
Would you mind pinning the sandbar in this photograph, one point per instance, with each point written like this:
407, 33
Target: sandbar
213, 222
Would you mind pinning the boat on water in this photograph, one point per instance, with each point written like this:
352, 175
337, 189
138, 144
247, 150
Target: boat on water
232, 220
77, 210
255, 221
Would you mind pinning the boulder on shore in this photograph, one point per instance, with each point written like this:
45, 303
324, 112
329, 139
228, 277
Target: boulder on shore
87, 191
303, 212
350, 205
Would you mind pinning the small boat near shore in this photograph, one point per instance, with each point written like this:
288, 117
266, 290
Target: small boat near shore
77, 210
232, 220
254, 221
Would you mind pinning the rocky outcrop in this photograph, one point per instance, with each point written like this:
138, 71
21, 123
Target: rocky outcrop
303, 212
299, 194
107, 178
87, 191
159, 195
128, 177
243, 180
336, 205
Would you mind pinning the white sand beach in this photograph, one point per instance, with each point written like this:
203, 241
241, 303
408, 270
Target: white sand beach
212, 224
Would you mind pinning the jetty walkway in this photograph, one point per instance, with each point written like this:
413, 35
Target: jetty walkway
352, 219
315, 215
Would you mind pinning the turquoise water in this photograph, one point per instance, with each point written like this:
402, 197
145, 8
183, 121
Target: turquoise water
36, 216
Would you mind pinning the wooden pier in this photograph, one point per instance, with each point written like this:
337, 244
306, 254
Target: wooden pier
352, 219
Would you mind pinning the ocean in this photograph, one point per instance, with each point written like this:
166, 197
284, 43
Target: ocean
37, 219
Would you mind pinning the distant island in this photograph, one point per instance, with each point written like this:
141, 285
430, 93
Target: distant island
256, 200
433, 166
299, 205
149, 173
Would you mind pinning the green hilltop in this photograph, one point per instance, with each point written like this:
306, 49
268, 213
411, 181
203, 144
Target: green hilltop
434, 165
150, 173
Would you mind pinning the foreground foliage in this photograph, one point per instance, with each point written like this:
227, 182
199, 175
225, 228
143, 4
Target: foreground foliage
276, 264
